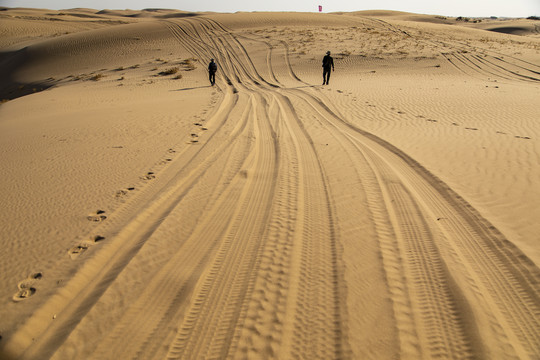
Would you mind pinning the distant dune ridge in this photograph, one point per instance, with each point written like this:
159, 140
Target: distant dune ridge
389, 215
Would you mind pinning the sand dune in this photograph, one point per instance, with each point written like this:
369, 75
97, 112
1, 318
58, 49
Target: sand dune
519, 27
391, 214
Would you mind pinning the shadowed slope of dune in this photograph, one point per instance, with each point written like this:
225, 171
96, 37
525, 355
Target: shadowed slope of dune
518, 29
148, 13
10, 87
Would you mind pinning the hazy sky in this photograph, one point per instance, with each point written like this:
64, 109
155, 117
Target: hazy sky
510, 8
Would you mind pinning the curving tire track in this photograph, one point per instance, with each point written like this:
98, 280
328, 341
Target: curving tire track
473, 60
472, 249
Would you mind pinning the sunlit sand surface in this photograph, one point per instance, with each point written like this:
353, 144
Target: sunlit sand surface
392, 214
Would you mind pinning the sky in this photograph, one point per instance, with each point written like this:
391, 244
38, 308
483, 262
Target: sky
470, 8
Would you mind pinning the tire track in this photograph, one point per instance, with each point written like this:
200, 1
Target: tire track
430, 316
220, 303
417, 262
177, 279
77, 298
262, 332
438, 316
479, 60
319, 325
508, 285
230, 41
311, 295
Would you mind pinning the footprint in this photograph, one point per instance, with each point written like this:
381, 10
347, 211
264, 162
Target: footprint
149, 176
197, 124
121, 193
37, 276
522, 137
468, 128
98, 238
97, 217
26, 287
24, 293
431, 120
124, 192
171, 151
78, 250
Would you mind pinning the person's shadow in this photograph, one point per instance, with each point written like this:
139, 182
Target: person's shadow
193, 88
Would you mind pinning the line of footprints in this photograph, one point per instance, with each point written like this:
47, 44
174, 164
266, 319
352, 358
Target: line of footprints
27, 287
194, 135
100, 215
199, 124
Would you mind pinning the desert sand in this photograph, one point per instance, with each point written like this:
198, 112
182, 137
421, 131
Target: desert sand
393, 214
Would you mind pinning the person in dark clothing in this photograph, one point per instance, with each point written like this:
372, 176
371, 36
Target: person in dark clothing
212, 68
327, 64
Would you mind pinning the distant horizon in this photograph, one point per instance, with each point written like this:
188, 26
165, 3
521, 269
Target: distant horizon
465, 8
262, 11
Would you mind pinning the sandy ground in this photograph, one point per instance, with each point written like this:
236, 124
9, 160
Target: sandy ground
392, 214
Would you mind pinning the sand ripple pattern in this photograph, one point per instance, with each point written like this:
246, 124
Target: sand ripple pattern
243, 238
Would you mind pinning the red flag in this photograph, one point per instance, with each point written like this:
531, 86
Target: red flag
320, 8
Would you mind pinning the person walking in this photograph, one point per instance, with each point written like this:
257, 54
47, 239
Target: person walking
212, 68
327, 64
